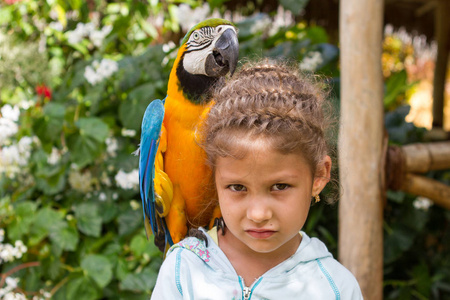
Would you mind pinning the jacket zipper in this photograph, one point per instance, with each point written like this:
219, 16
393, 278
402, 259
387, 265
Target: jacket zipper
247, 291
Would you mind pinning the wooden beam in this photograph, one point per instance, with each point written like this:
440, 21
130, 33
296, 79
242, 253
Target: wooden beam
432, 189
360, 144
442, 29
421, 158
430, 5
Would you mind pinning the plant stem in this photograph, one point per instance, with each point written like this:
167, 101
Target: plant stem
18, 268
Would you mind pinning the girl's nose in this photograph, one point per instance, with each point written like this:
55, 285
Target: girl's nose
258, 211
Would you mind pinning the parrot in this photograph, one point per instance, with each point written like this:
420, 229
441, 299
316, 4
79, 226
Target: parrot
173, 174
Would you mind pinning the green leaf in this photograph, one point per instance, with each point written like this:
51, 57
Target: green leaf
46, 219
88, 220
132, 110
83, 149
98, 268
86, 146
51, 180
129, 221
396, 85
139, 245
65, 237
51, 267
24, 217
140, 282
397, 242
48, 127
121, 269
108, 211
94, 128
295, 6
81, 288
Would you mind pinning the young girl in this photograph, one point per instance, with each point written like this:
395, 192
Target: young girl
265, 142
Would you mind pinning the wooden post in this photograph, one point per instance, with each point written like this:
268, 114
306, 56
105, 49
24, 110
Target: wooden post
360, 144
442, 27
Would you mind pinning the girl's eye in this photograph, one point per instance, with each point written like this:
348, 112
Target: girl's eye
237, 187
280, 186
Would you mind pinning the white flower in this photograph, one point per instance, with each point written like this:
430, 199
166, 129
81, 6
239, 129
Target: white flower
21, 248
54, 157
97, 36
14, 296
169, 46
283, 18
11, 113
26, 104
261, 24
8, 128
57, 26
188, 17
105, 179
81, 31
127, 180
128, 132
135, 205
311, 61
107, 67
422, 203
15, 156
115, 196
11, 282
7, 252
24, 147
80, 181
74, 37
91, 75
100, 70
102, 197
111, 146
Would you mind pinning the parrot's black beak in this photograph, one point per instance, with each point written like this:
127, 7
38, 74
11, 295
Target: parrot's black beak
225, 55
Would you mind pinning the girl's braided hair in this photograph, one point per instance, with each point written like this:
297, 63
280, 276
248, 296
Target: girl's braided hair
269, 100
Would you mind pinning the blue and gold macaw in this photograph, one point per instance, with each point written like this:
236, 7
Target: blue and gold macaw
172, 171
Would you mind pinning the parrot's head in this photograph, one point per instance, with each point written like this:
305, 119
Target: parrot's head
208, 52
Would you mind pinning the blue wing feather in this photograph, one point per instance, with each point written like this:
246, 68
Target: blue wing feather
150, 134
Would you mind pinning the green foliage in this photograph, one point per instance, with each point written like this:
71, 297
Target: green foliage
67, 194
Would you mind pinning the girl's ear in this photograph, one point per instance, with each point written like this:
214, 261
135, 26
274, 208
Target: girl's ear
322, 176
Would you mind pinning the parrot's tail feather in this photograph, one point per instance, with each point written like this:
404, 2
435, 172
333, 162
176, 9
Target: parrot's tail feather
168, 236
160, 241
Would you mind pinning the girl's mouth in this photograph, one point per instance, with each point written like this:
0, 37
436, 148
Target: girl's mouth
260, 234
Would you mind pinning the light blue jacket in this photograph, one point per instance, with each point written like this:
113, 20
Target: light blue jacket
193, 271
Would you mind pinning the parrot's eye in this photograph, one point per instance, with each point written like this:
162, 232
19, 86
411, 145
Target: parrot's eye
196, 35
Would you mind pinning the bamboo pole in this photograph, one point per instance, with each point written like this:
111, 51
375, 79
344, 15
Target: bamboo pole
418, 185
442, 27
421, 158
360, 144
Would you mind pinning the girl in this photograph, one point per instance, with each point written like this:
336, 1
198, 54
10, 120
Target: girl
265, 142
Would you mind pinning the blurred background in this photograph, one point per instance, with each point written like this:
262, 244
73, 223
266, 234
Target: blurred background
75, 79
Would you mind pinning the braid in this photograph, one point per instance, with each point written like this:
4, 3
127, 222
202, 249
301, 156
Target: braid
270, 100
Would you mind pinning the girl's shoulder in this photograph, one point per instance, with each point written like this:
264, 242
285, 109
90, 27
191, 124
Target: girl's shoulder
194, 245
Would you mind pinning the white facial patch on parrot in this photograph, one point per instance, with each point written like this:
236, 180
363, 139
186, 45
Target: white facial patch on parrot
201, 43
